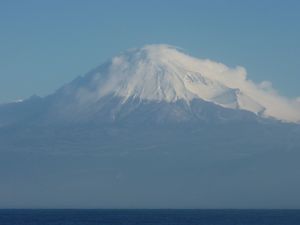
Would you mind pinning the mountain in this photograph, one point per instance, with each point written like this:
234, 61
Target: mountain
152, 128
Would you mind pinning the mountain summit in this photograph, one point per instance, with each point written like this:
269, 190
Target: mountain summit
162, 73
156, 83
152, 128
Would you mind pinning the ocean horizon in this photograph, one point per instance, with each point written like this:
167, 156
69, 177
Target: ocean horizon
150, 216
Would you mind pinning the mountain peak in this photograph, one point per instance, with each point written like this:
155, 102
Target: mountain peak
163, 73
154, 51
149, 54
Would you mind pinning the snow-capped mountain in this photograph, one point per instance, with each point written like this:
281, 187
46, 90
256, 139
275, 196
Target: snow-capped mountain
165, 76
152, 128
161, 73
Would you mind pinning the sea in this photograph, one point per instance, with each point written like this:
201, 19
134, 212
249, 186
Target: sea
147, 217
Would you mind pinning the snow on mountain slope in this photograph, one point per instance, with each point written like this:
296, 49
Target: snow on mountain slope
164, 73
156, 125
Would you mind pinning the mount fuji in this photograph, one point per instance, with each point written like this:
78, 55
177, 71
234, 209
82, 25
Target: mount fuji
153, 128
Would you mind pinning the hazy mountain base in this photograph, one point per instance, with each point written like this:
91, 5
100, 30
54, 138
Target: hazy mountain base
216, 158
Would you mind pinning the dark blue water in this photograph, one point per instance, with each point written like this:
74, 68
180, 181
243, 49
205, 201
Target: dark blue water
153, 217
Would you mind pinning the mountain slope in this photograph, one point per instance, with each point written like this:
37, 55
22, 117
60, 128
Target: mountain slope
162, 73
152, 128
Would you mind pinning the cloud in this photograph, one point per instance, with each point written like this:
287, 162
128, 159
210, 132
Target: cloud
266, 85
276, 105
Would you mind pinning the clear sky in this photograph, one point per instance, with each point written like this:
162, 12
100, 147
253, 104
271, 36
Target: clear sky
44, 44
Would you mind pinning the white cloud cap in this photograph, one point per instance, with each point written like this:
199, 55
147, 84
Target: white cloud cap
164, 73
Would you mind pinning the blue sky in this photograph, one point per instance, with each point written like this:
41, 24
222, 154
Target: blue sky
44, 44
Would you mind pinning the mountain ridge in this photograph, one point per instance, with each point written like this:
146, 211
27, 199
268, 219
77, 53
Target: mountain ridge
162, 73
92, 144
